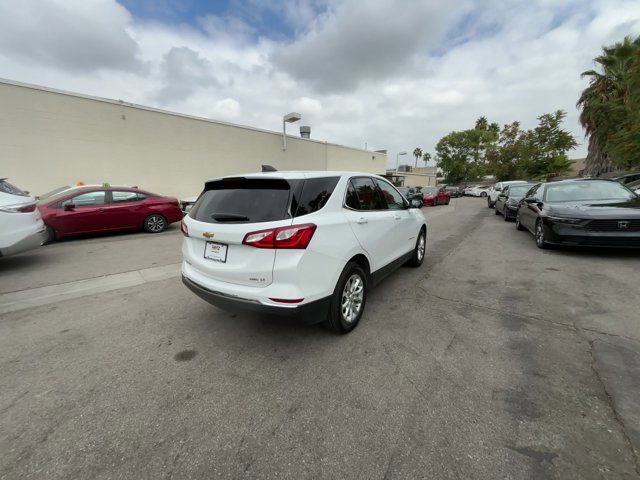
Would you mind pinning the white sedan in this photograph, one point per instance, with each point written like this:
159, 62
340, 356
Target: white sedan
478, 191
21, 226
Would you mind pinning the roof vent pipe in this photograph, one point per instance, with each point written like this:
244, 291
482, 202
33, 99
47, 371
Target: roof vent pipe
305, 132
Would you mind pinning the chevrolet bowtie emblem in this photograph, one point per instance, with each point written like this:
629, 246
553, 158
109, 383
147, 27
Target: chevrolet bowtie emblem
207, 235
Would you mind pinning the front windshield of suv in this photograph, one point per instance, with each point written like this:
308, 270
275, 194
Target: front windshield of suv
587, 191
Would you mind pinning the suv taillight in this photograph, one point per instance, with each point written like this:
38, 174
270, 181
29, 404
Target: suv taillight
184, 228
295, 236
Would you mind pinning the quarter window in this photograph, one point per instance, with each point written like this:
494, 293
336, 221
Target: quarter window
315, 194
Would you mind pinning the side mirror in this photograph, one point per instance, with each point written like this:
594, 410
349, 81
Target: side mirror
69, 207
415, 203
530, 200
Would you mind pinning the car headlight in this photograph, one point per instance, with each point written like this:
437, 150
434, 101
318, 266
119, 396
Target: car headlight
567, 220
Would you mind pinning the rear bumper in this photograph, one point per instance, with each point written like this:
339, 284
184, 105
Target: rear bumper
30, 242
308, 313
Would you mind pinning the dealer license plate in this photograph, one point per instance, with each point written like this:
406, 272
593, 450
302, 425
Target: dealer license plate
215, 251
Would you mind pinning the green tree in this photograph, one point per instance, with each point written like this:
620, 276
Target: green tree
507, 153
544, 149
610, 108
463, 155
417, 153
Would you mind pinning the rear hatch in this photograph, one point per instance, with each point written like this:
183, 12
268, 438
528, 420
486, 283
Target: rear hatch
226, 211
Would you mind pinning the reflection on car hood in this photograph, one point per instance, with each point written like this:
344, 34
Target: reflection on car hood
597, 209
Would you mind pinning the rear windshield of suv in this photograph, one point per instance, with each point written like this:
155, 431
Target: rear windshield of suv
255, 200
6, 187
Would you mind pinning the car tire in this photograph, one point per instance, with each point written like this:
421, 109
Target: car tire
483, 194
51, 235
518, 223
448, 201
352, 281
155, 223
489, 204
505, 214
496, 211
540, 236
419, 250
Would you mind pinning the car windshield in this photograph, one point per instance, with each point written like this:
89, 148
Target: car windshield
6, 187
56, 196
518, 190
429, 190
587, 191
53, 192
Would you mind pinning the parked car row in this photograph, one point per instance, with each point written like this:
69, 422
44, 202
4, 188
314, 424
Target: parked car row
27, 223
429, 196
583, 212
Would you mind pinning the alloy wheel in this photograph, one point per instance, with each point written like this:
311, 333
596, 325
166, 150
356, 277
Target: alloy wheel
421, 248
540, 241
155, 223
352, 297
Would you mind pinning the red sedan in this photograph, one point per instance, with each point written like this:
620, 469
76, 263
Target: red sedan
83, 210
435, 196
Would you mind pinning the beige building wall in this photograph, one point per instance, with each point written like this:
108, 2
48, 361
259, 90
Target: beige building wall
419, 180
51, 138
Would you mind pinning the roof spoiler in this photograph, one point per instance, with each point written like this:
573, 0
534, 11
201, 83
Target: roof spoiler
268, 168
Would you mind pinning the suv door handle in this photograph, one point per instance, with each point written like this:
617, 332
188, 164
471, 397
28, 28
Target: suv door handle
362, 220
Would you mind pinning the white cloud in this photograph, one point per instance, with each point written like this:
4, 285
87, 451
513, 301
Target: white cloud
73, 35
389, 74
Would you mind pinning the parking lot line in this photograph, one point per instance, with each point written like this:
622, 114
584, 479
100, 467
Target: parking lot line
11, 302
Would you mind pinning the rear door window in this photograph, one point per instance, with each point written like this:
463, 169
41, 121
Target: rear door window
315, 195
243, 200
367, 194
124, 196
391, 197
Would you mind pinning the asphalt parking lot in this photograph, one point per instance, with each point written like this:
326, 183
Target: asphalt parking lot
493, 360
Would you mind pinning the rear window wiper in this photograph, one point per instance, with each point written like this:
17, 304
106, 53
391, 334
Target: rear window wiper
222, 217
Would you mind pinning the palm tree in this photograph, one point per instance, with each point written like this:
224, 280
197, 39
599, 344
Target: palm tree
604, 103
426, 157
417, 153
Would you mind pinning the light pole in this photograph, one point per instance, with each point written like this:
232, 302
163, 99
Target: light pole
397, 157
288, 118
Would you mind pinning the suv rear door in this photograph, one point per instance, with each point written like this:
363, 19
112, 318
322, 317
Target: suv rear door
370, 221
226, 211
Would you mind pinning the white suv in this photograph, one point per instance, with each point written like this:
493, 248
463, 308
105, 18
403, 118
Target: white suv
494, 191
304, 244
21, 226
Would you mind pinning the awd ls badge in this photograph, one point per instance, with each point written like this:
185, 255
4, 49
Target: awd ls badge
208, 235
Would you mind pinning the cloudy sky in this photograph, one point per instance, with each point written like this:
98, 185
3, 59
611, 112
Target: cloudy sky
392, 74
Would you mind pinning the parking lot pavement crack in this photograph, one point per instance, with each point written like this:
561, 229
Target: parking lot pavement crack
612, 405
399, 371
458, 301
600, 332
